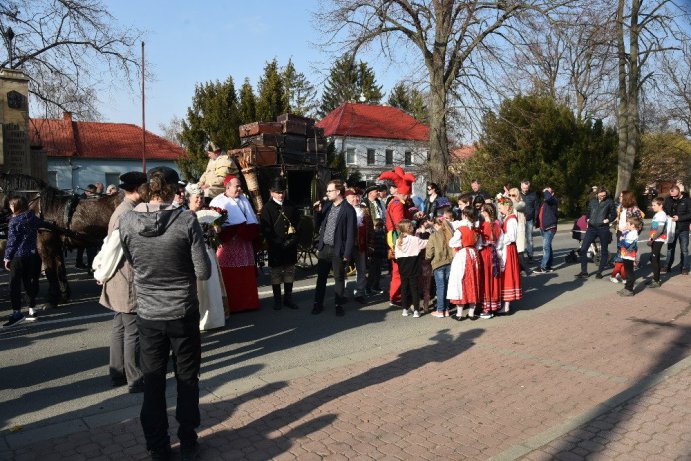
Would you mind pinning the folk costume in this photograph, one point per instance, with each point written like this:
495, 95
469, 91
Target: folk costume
216, 171
236, 253
511, 270
464, 282
490, 279
279, 222
396, 211
363, 248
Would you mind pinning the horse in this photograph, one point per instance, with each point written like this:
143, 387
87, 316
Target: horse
72, 222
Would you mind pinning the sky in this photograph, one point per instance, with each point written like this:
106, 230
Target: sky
192, 42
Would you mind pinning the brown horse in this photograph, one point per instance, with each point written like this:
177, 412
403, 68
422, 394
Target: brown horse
73, 222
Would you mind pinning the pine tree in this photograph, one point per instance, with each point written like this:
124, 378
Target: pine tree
410, 100
213, 116
272, 96
248, 103
347, 81
300, 93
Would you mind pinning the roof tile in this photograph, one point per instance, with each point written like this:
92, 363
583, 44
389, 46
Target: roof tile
372, 121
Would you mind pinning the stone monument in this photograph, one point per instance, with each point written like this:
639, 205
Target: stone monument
15, 152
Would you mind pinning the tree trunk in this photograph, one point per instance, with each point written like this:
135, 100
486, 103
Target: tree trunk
438, 143
623, 174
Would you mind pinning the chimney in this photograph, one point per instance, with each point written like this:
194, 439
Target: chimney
67, 116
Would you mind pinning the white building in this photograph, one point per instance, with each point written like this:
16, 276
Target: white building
82, 153
377, 138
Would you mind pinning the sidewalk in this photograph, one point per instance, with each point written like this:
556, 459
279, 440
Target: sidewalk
608, 377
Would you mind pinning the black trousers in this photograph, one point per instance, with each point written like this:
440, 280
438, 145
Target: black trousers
326, 262
157, 338
24, 271
374, 273
630, 275
655, 251
592, 233
410, 294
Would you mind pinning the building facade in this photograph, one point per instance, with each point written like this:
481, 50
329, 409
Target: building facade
376, 138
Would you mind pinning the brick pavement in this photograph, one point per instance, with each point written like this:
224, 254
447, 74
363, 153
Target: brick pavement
473, 390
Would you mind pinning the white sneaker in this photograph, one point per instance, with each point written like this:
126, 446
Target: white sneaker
614, 280
416, 314
405, 313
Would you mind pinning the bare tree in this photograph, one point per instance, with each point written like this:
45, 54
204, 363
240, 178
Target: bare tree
63, 46
172, 130
676, 86
447, 35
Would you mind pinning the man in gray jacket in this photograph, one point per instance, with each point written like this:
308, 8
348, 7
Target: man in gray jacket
166, 249
601, 212
118, 295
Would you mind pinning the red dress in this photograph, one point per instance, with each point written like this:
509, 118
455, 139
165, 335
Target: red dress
236, 260
490, 267
511, 276
464, 285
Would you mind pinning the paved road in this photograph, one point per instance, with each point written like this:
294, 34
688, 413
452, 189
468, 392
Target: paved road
473, 377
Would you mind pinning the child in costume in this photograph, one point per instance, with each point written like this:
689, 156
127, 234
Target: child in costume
464, 283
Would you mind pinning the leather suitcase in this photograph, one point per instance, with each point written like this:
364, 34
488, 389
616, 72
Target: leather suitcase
313, 131
296, 118
294, 143
263, 139
255, 156
316, 145
294, 127
255, 128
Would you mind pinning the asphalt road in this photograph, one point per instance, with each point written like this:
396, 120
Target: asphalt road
55, 370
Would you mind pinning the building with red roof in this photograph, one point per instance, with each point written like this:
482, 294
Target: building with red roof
81, 153
376, 138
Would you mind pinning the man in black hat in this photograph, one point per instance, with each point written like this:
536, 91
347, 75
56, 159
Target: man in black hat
118, 296
376, 206
279, 223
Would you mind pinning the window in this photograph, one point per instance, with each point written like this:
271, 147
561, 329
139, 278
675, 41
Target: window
111, 178
370, 157
408, 158
389, 157
53, 178
350, 156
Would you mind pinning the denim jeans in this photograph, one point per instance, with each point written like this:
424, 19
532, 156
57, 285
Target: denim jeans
441, 280
547, 236
529, 238
602, 233
681, 236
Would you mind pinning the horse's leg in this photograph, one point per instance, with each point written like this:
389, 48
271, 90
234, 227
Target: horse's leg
50, 251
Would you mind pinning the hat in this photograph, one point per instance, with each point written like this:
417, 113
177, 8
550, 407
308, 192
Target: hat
278, 185
350, 191
169, 175
402, 181
211, 147
372, 187
131, 180
381, 187
227, 179
193, 189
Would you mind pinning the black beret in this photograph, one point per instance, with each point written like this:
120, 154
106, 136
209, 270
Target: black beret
131, 180
169, 175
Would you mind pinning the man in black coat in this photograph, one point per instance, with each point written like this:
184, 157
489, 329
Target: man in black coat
531, 211
678, 206
279, 223
337, 224
601, 212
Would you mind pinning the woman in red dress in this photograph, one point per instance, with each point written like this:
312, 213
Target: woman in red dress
490, 277
511, 269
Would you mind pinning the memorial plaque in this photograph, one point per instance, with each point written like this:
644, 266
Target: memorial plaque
15, 100
15, 145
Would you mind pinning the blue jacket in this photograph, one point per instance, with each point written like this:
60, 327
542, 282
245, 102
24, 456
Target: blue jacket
531, 208
548, 212
22, 233
345, 238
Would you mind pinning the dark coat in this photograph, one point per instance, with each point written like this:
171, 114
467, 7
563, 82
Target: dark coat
548, 212
283, 248
345, 238
598, 211
680, 207
531, 208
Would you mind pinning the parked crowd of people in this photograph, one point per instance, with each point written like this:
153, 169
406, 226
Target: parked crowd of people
179, 259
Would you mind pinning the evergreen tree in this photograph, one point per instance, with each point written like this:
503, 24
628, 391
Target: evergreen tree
213, 116
272, 99
347, 81
248, 103
409, 99
300, 93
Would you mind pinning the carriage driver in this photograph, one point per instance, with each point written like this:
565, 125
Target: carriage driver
219, 166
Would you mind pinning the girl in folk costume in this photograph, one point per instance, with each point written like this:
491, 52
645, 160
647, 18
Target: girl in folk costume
464, 282
511, 269
212, 291
396, 211
407, 249
236, 253
490, 264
